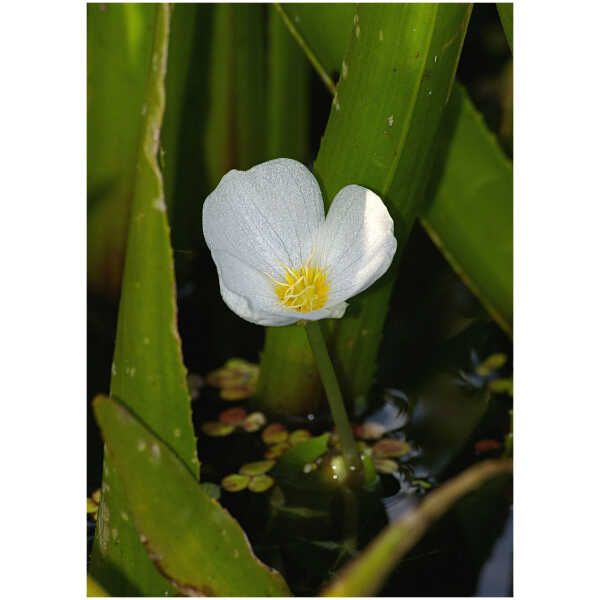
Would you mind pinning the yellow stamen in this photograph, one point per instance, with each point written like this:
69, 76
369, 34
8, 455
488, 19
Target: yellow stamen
305, 289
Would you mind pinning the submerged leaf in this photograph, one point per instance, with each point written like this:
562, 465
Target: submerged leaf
217, 429
212, 490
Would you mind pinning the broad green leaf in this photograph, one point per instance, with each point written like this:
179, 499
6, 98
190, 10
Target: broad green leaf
365, 575
397, 76
199, 547
181, 46
470, 215
119, 40
505, 10
325, 29
94, 589
288, 89
220, 125
250, 87
148, 374
235, 133
469, 155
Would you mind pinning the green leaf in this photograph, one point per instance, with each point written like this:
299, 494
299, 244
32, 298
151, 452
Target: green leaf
181, 46
257, 468
325, 29
288, 93
220, 125
396, 78
119, 44
235, 482
260, 483
235, 133
148, 374
94, 589
365, 575
470, 214
505, 10
192, 540
290, 468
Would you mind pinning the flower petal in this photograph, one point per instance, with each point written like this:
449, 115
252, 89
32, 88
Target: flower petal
356, 242
267, 214
249, 293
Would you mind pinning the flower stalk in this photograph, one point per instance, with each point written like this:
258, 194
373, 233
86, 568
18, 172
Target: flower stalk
334, 394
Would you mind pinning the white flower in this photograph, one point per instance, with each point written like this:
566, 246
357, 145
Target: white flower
278, 258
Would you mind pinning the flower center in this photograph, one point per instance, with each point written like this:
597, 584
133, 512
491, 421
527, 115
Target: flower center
305, 289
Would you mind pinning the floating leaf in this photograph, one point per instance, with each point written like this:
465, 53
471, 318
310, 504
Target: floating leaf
369, 431
277, 450
385, 465
233, 416
260, 483
91, 507
501, 386
486, 445
235, 482
257, 468
236, 379
299, 436
490, 364
390, 448
212, 490
217, 429
275, 433
194, 384
254, 421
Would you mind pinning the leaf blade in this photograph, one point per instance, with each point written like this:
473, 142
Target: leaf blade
194, 542
148, 372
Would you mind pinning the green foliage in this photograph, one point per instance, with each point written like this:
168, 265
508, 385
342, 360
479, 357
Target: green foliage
384, 117
287, 93
365, 575
505, 10
326, 30
470, 211
119, 39
198, 546
147, 372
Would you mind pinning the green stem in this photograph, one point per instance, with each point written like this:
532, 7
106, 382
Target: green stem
334, 395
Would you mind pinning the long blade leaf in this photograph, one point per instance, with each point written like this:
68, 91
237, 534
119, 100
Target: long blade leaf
147, 373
